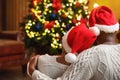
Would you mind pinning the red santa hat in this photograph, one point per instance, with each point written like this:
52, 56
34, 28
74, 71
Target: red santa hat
76, 40
103, 19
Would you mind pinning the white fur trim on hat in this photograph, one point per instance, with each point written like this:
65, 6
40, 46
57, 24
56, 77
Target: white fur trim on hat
95, 30
105, 28
70, 58
108, 29
65, 43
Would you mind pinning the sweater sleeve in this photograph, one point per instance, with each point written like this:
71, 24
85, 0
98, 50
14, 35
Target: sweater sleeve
37, 75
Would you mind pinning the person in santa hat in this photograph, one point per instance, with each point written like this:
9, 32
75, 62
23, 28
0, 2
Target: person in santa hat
100, 62
74, 41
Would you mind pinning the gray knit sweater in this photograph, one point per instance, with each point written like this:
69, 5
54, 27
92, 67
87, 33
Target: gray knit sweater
101, 62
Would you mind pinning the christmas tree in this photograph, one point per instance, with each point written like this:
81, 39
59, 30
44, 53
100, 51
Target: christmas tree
49, 20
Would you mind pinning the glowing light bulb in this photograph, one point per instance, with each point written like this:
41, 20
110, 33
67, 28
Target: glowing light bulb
95, 5
71, 1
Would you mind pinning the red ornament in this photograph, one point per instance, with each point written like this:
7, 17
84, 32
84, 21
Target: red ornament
56, 5
59, 37
77, 4
64, 16
54, 11
49, 25
74, 21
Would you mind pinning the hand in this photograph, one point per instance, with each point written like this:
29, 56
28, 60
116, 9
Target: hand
32, 64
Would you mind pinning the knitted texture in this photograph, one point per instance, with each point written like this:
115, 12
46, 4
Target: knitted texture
101, 62
48, 65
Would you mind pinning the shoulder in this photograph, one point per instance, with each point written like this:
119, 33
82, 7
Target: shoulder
34, 57
46, 56
91, 52
100, 50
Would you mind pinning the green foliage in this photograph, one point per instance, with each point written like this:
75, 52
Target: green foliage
49, 20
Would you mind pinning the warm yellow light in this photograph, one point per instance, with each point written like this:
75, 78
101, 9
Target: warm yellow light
47, 31
63, 24
45, 0
95, 5
44, 34
57, 23
63, 6
27, 31
52, 29
79, 17
37, 34
81, 1
69, 16
60, 45
57, 34
50, 11
52, 45
31, 33
38, 38
67, 4
35, 3
70, 21
71, 4
33, 22
54, 42
71, 1
61, 29
27, 27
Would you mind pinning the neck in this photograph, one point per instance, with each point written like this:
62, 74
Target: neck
61, 59
110, 42
107, 38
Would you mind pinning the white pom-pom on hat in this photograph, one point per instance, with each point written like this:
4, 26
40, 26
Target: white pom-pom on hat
70, 57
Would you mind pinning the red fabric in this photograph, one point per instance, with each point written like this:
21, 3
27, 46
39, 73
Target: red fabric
102, 15
80, 38
77, 4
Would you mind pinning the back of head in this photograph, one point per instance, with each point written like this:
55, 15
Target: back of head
76, 40
103, 19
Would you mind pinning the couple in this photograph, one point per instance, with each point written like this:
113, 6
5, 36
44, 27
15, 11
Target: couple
100, 62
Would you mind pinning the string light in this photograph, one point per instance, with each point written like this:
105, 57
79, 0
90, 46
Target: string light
95, 5
42, 13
